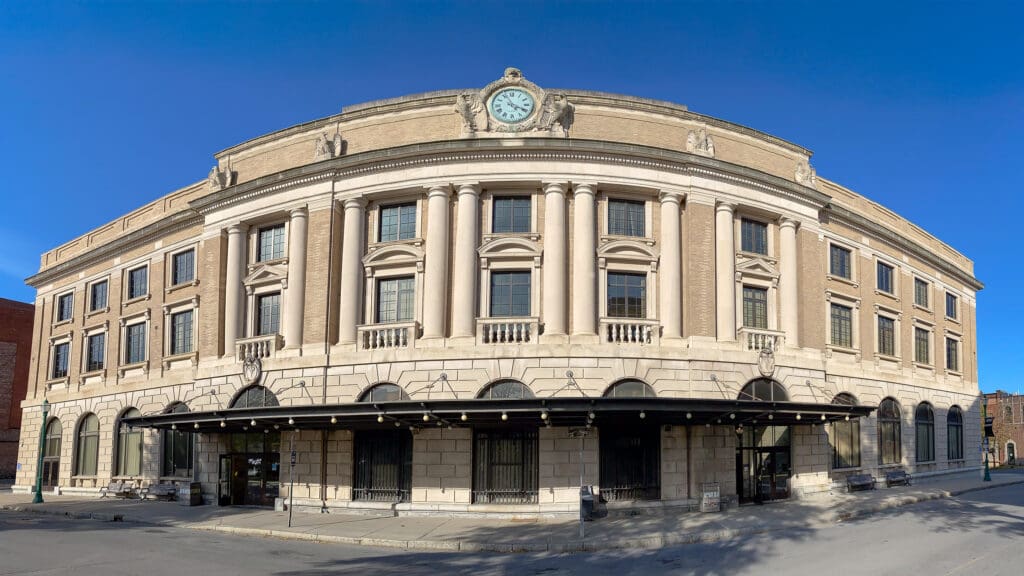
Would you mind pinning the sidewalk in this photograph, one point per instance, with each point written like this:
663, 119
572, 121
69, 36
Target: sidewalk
477, 534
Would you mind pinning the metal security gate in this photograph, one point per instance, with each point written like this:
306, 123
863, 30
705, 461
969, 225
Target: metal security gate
383, 466
631, 463
505, 467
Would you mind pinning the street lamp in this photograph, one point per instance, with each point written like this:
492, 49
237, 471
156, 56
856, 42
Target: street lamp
38, 499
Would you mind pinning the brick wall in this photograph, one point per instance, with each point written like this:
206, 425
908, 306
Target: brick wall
15, 356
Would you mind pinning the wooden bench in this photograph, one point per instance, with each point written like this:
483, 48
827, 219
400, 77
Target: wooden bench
860, 482
160, 491
897, 477
118, 489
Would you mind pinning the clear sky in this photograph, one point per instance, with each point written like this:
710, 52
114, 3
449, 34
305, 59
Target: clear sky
920, 107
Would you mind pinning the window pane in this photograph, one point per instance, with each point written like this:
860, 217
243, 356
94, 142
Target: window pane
396, 299
182, 267
398, 222
885, 277
98, 296
921, 345
952, 361
920, 292
886, 336
755, 307
510, 294
950, 306
627, 295
135, 343
842, 326
65, 303
137, 283
840, 262
268, 314
96, 352
889, 432
511, 215
754, 236
626, 218
181, 332
60, 360
271, 243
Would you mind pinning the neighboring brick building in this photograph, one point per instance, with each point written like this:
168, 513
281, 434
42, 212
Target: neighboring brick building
15, 347
1007, 412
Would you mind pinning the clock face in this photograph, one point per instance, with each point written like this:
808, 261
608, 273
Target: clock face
512, 105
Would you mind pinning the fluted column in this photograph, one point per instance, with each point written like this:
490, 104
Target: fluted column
584, 262
295, 304
555, 265
233, 296
670, 270
467, 233
435, 270
788, 273
725, 272
351, 270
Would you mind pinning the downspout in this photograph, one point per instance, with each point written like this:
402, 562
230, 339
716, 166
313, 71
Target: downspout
689, 459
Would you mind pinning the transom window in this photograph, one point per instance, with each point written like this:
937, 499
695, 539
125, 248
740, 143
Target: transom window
270, 243
135, 343
181, 332
889, 448
753, 236
886, 336
511, 215
384, 393
510, 294
396, 299
885, 278
952, 356
950, 305
138, 282
60, 360
924, 423
840, 262
65, 304
842, 326
921, 346
397, 222
183, 267
755, 307
506, 390
95, 353
630, 389
98, 296
255, 397
88, 446
627, 295
845, 436
955, 434
626, 218
268, 313
920, 293
764, 389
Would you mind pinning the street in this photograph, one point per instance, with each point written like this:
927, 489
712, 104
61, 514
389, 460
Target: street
980, 532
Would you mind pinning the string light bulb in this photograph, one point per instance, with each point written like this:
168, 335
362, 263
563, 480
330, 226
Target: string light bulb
504, 417
463, 417
334, 419
544, 415
643, 415
380, 418
223, 423
426, 417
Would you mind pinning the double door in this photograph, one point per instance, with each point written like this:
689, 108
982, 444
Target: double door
764, 464
250, 479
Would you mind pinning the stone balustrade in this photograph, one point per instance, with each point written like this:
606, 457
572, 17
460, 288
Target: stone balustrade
383, 336
759, 339
261, 347
520, 330
629, 331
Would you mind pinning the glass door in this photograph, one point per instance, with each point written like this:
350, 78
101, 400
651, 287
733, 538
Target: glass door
763, 463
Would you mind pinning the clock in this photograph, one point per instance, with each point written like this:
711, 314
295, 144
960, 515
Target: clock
512, 105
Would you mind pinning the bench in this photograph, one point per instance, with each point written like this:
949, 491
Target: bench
118, 489
860, 482
897, 477
160, 491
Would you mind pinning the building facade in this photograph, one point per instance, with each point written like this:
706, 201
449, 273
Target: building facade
1007, 413
15, 344
465, 301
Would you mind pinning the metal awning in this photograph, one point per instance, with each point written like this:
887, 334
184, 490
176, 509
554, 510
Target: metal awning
558, 411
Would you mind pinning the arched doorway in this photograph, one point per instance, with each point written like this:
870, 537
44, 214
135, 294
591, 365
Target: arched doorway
763, 455
383, 458
630, 450
51, 454
250, 470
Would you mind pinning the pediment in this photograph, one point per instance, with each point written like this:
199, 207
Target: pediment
757, 267
391, 255
628, 250
509, 248
266, 274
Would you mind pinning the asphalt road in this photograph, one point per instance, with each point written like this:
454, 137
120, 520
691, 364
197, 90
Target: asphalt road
977, 533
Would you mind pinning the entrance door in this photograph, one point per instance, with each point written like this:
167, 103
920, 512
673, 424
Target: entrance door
630, 463
1011, 453
763, 464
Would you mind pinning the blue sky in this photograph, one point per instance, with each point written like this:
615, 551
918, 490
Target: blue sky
917, 106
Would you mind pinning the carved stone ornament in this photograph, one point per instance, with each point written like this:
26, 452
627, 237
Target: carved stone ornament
326, 149
548, 114
219, 179
766, 362
700, 142
252, 369
805, 174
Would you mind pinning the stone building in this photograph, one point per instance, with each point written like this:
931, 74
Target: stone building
462, 301
1007, 413
15, 346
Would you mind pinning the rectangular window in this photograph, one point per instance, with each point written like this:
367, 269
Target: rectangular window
920, 293
268, 313
135, 343
842, 326
511, 215
885, 278
270, 243
96, 352
398, 222
98, 296
183, 267
510, 294
395, 300
950, 305
952, 358
886, 336
627, 295
60, 360
753, 236
138, 282
181, 332
755, 307
921, 345
177, 457
626, 218
65, 304
505, 467
840, 262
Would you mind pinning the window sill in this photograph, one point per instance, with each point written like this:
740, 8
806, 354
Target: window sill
843, 350
952, 319
954, 373
762, 256
525, 235
605, 238
175, 361
886, 357
100, 372
103, 310
892, 296
890, 466
275, 261
123, 369
848, 469
924, 366
922, 308
62, 322
57, 383
176, 287
131, 301
843, 280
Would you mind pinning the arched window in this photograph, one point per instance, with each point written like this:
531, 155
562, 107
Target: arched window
177, 447
764, 389
255, 397
51, 453
88, 446
924, 425
955, 434
889, 450
129, 446
845, 436
630, 389
506, 390
384, 393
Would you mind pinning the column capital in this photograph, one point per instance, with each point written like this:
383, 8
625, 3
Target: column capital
787, 222
300, 212
237, 229
555, 187
725, 207
351, 203
583, 188
439, 189
468, 188
666, 196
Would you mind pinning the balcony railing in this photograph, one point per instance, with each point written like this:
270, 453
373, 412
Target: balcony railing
521, 330
757, 339
384, 336
259, 346
629, 331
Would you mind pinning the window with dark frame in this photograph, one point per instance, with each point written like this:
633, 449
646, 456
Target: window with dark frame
270, 243
506, 466
268, 313
955, 434
60, 360
397, 222
177, 449
845, 437
183, 267
88, 446
135, 343
129, 446
755, 307
921, 348
842, 325
924, 425
626, 218
952, 357
138, 282
889, 448
950, 305
510, 294
96, 352
886, 336
181, 332
396, 299
65, 305
840, 262
884, 277
98, 296
627, 295
920, 293
753, 236
511, 215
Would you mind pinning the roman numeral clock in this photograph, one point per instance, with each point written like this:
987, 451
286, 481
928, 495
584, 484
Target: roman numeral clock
513, 106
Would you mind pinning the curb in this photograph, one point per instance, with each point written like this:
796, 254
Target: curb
847, 515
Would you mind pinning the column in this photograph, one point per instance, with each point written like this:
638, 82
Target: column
295, 303
670, 269
233, 298
788, 273
555, 265
467, 233
435, 270
351, 270
725, 272
584, 262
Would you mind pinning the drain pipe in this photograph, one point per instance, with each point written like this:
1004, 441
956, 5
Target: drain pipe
689, 459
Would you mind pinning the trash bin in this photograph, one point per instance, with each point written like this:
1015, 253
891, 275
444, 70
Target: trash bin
190, 494
587, 502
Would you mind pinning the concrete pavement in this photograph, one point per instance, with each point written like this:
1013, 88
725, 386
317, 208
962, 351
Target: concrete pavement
480, 534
